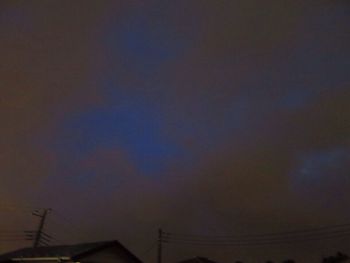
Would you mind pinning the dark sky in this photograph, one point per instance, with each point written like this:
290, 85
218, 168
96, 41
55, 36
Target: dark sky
202, 117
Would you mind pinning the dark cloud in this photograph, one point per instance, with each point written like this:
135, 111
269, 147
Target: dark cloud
201, 117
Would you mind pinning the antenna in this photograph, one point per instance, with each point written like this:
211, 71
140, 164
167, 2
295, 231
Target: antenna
39, 233
160, 236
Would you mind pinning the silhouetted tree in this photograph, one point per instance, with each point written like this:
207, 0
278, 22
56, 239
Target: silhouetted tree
339, 257
342, 257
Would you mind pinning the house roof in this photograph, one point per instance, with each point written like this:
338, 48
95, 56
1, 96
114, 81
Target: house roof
65, 252
197, 260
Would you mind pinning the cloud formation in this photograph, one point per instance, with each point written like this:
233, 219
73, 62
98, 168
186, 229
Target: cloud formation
198, 116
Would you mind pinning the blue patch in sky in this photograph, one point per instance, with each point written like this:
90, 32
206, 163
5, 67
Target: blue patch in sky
295, 99
144, 42
316, 164
136, 128
319, 165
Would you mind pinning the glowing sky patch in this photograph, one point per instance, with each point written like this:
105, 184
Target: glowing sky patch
135, 128
319, 167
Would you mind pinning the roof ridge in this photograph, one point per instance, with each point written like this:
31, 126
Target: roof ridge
71, 251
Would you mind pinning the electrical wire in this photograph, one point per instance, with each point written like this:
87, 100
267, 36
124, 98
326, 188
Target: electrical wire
149, 249
295, 232
279, 242
311, 234
260, 239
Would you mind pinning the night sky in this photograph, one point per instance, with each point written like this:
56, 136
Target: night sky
200, 117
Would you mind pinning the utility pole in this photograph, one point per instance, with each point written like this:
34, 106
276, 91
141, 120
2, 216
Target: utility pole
39, 232
160, 239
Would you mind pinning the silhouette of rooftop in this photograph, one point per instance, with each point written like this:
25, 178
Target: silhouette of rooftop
65, 251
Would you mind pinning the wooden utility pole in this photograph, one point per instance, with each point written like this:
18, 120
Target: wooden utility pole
160, 239
39, 232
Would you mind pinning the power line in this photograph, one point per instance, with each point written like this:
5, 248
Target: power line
149, 249
13, 239
18, 236
260, 239
294, 232
10, 231
254, 240
252, 244
59, 241
78, 231
60, 223
38, 236
19, 208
